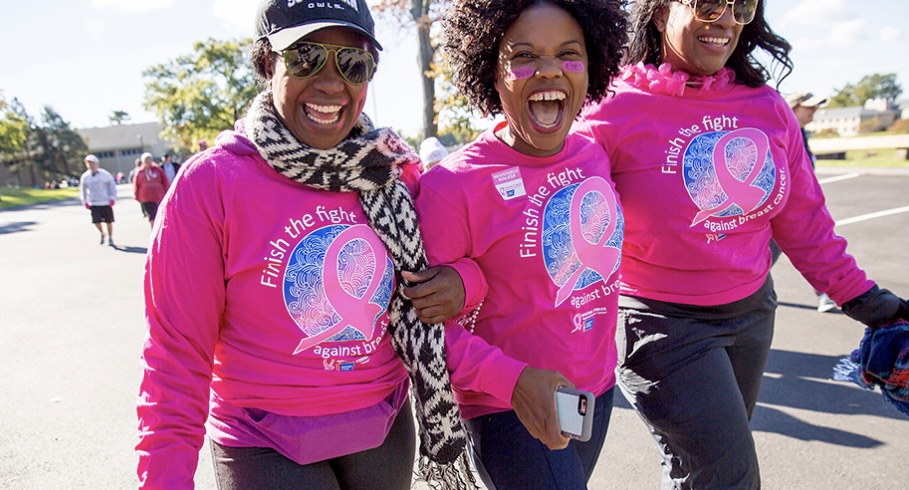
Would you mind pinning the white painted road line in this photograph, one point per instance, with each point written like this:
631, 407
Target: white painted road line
837, 178
869, 216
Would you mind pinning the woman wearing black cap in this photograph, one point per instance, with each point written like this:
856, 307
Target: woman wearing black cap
276, 319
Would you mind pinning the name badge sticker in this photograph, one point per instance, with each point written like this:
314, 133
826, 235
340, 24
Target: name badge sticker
509, 183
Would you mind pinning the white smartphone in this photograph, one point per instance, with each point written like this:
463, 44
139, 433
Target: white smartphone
575, 412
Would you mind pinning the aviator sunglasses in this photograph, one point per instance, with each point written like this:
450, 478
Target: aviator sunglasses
305, 59
711, 10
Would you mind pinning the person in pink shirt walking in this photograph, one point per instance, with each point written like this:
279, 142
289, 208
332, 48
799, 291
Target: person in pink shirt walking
277, 323
533, 206
710, 164
149, 185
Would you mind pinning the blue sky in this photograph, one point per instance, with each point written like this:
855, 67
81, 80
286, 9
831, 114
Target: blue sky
85, 57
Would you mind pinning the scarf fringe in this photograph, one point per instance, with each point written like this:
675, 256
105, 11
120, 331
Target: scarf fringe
850, 371
456, 475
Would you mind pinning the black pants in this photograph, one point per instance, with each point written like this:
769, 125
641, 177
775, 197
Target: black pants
693, 375
389, 466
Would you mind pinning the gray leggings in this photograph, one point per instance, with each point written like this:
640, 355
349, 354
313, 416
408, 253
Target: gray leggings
389, 466
693, 375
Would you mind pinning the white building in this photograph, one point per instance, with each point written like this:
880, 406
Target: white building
875, 115
119, 146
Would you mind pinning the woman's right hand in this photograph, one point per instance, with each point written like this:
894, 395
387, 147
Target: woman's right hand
534, 402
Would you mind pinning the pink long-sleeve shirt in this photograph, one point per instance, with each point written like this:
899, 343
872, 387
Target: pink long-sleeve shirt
707, 177
546, 233
262, 295
150, 184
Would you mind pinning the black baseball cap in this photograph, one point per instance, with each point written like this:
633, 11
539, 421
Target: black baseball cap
284, 22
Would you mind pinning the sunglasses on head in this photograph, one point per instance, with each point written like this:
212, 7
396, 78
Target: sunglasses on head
711, 10
305, 59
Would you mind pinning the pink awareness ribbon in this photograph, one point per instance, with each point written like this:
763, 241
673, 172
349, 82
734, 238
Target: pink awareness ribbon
595, 256
356, 312
737, 191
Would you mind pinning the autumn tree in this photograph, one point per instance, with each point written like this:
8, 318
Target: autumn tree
421, 16
457, 120
196, 96
874, 86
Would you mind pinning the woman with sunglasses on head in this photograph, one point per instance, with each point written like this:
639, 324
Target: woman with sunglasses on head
710, 165
276, 319
533, 206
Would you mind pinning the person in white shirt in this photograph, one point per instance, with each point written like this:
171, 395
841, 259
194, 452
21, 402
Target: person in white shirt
98, 192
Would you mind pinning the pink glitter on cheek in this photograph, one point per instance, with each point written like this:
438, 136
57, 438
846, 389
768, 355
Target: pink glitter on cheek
575, 66
520, 73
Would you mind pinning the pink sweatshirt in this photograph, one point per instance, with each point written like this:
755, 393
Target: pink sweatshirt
266, 296
706, 178
150, 184
547, 234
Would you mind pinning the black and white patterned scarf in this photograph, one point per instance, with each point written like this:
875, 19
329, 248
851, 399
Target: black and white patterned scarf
370, 161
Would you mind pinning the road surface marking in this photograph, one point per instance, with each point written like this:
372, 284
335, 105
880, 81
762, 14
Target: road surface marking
866, 217
837, 178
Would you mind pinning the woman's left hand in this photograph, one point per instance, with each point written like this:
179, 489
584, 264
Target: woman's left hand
438, 294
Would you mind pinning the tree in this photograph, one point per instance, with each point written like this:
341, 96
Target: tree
60, 146
118, 117
198, 95
21, 130
13, 129
456, 118
420, 14
874, 86
50, 150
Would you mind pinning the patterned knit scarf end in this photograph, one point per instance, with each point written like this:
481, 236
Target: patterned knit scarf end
455, 475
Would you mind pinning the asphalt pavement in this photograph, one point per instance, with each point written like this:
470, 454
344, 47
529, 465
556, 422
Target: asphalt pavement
71, 325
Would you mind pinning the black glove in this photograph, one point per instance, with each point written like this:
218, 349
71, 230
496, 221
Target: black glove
903, 310
876, 307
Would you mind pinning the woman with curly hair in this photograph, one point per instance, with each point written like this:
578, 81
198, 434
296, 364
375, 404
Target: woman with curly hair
711, 165
532, 205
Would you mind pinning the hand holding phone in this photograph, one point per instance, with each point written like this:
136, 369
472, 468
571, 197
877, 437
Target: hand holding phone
575, 412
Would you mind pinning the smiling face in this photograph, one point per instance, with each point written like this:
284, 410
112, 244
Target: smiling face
697, 48
322, 109
541, 79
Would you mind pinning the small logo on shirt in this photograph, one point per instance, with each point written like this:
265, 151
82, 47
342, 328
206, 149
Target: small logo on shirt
509, 183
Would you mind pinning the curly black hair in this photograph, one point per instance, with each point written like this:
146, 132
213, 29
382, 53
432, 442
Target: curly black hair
473, 30
646, 41
261, 51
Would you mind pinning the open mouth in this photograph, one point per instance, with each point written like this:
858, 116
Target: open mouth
546, 109
323, 114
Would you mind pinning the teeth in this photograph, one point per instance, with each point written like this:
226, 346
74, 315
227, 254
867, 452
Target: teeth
331, 113
324, 108
550, 95
714, 40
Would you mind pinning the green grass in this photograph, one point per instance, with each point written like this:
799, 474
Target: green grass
12, 196
885, 157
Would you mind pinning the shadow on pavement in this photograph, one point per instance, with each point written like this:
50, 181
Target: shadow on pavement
805, 382
768, 419
808, 307
16, 227
132, 250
